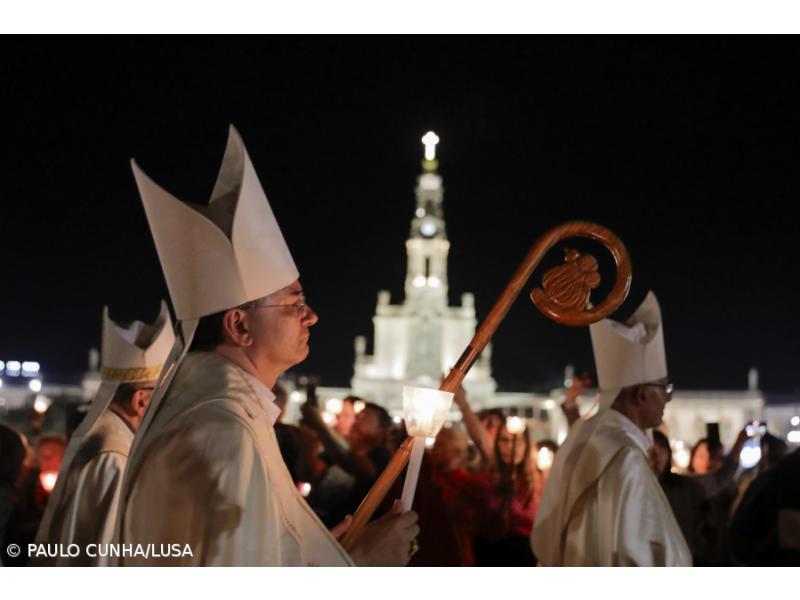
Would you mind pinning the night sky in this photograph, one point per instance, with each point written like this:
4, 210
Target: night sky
687, 148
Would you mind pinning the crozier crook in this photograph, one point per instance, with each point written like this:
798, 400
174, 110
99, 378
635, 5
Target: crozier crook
564, 298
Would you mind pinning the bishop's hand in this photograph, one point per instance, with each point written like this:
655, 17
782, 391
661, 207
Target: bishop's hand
386, 541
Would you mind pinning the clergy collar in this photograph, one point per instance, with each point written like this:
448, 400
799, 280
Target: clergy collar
265, 396
640, 437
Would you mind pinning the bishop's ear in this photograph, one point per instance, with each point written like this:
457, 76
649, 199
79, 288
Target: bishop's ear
640, 394
139, 401
236, 327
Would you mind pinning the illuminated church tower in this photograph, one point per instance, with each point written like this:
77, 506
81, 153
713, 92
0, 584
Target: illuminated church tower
418, 340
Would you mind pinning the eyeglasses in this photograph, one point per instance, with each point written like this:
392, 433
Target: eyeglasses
298, 307
667, 387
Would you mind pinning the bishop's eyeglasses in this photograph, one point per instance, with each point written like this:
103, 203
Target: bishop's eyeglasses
299, 308
667, 387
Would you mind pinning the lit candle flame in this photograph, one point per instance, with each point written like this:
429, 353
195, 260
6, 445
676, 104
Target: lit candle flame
544, 459
41, 404
334, 406
425, 410
515, 425
48, 480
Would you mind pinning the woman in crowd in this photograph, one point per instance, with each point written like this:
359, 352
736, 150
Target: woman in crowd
509, 502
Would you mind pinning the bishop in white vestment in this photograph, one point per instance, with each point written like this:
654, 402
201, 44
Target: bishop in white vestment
602, 505
205, 470
82, 510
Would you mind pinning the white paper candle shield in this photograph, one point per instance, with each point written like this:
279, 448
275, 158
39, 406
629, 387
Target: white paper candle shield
425, 410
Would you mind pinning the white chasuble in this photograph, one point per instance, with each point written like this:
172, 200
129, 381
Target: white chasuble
603, 506
209, 474
87, 511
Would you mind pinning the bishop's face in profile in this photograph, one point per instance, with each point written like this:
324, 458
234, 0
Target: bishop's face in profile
269, 335
654, 397
279, 325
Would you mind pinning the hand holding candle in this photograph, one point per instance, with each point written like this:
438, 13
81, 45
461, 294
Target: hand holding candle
425, 412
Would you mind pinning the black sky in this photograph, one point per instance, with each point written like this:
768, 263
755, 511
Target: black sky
686, 147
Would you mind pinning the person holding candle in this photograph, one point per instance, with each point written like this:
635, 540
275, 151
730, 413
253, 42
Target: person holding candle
602, 504
509, 500
482, 428
205, 469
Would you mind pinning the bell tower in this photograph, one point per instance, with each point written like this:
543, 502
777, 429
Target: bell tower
427, 246
421, 338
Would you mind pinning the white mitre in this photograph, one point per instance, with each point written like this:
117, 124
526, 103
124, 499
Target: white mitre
129, 354
222, 255
136, 352
214, 257
630, 353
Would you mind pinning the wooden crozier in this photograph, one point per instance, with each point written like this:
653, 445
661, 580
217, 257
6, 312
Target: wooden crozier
564, 299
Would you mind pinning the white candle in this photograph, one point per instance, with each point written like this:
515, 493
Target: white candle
425, 413
412, 475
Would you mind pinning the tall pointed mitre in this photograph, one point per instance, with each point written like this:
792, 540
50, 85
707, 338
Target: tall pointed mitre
129, 354
222, 255
214, 257
630, 353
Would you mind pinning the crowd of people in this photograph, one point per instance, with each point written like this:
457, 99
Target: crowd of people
479, 486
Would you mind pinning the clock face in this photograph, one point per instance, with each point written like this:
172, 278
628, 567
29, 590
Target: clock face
428, 228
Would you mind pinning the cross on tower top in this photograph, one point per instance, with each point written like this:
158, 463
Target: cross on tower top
430, 140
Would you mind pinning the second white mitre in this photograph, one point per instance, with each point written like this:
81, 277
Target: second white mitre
631, 353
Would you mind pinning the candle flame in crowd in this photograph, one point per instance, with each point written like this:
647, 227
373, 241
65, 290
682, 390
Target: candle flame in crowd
515, 425
544, 459
334, 406
48, 480
41, 404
